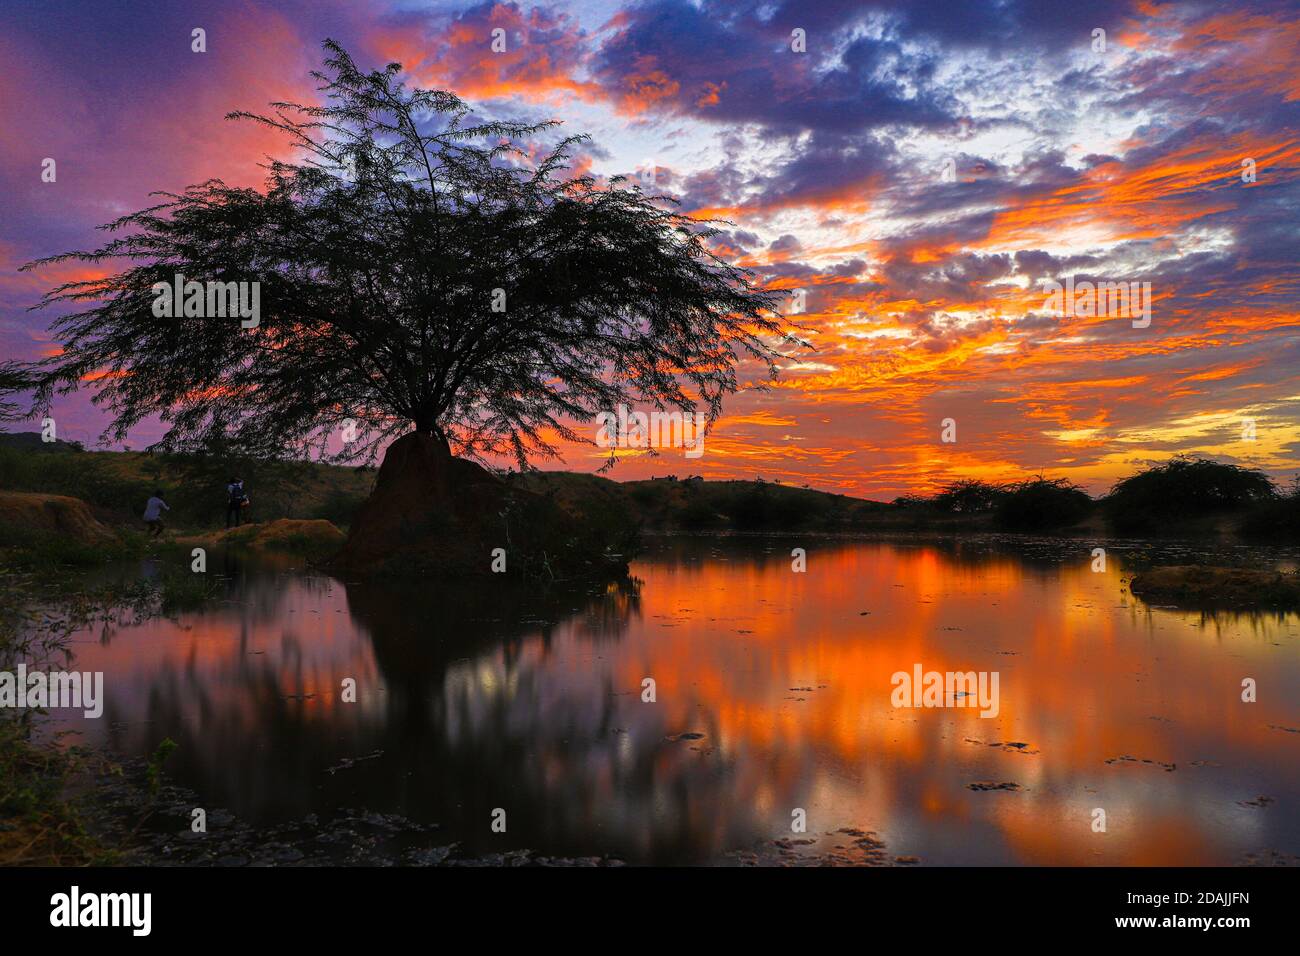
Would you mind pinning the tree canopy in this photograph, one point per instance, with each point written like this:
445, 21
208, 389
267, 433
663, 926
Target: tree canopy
380, 253
1184, 487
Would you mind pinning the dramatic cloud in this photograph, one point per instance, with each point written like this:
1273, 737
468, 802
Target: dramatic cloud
913, 174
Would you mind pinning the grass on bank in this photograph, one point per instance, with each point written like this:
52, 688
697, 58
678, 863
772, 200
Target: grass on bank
116, 485
39, 612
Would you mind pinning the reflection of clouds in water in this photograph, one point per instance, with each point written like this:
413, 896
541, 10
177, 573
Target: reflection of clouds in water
477, 695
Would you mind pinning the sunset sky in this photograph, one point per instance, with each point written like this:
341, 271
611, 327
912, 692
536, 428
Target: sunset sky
924, 296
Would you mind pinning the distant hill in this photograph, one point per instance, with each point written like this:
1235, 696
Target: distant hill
696, 505
32, 441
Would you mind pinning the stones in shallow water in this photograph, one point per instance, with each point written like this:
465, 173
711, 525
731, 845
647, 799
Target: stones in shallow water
431, 856
343, 837
864, 848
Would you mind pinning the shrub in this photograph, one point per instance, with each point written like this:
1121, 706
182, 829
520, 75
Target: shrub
1041, 504
1275, 520
1183, 488
912, 501
967, 496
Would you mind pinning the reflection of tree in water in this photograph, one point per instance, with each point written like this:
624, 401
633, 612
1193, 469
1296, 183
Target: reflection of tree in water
477, 719
245, 743
251, 743
418, 632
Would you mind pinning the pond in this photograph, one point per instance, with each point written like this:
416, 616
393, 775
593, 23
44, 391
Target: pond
772, 704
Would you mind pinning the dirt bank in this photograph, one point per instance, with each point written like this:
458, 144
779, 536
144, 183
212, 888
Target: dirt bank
1194, 586
314, 538
26, 515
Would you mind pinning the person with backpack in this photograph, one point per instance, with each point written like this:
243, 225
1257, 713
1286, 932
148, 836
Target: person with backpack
236, 499
153, 510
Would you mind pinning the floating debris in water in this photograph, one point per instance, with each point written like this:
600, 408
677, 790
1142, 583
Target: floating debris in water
1125, 758
1014, 747
349, 762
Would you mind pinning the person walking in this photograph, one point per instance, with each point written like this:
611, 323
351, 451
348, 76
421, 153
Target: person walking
153, 512
236, 498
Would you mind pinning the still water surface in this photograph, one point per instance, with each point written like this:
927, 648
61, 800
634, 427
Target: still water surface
470, 700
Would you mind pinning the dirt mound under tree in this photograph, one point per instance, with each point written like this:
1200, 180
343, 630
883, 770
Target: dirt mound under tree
432, 514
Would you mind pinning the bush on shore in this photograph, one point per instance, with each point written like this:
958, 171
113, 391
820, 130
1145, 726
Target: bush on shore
968, 496
1183, 489
1275, 520
1042, 504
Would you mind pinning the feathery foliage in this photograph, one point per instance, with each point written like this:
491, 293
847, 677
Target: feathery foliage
378, 254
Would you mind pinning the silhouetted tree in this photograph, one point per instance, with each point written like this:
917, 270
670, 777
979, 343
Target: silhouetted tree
1041, 504
1277, 519
380, 254
1184, 487
967, 496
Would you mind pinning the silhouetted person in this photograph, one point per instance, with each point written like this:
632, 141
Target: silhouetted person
235, 501
153, 512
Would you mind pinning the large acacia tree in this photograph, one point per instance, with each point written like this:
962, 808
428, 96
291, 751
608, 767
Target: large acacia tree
380, 251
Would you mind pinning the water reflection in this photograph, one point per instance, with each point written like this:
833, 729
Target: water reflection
472, 699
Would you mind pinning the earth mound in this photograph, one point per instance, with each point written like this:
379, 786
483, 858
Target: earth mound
1195, 586
315, 538
25, 514
432, 514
